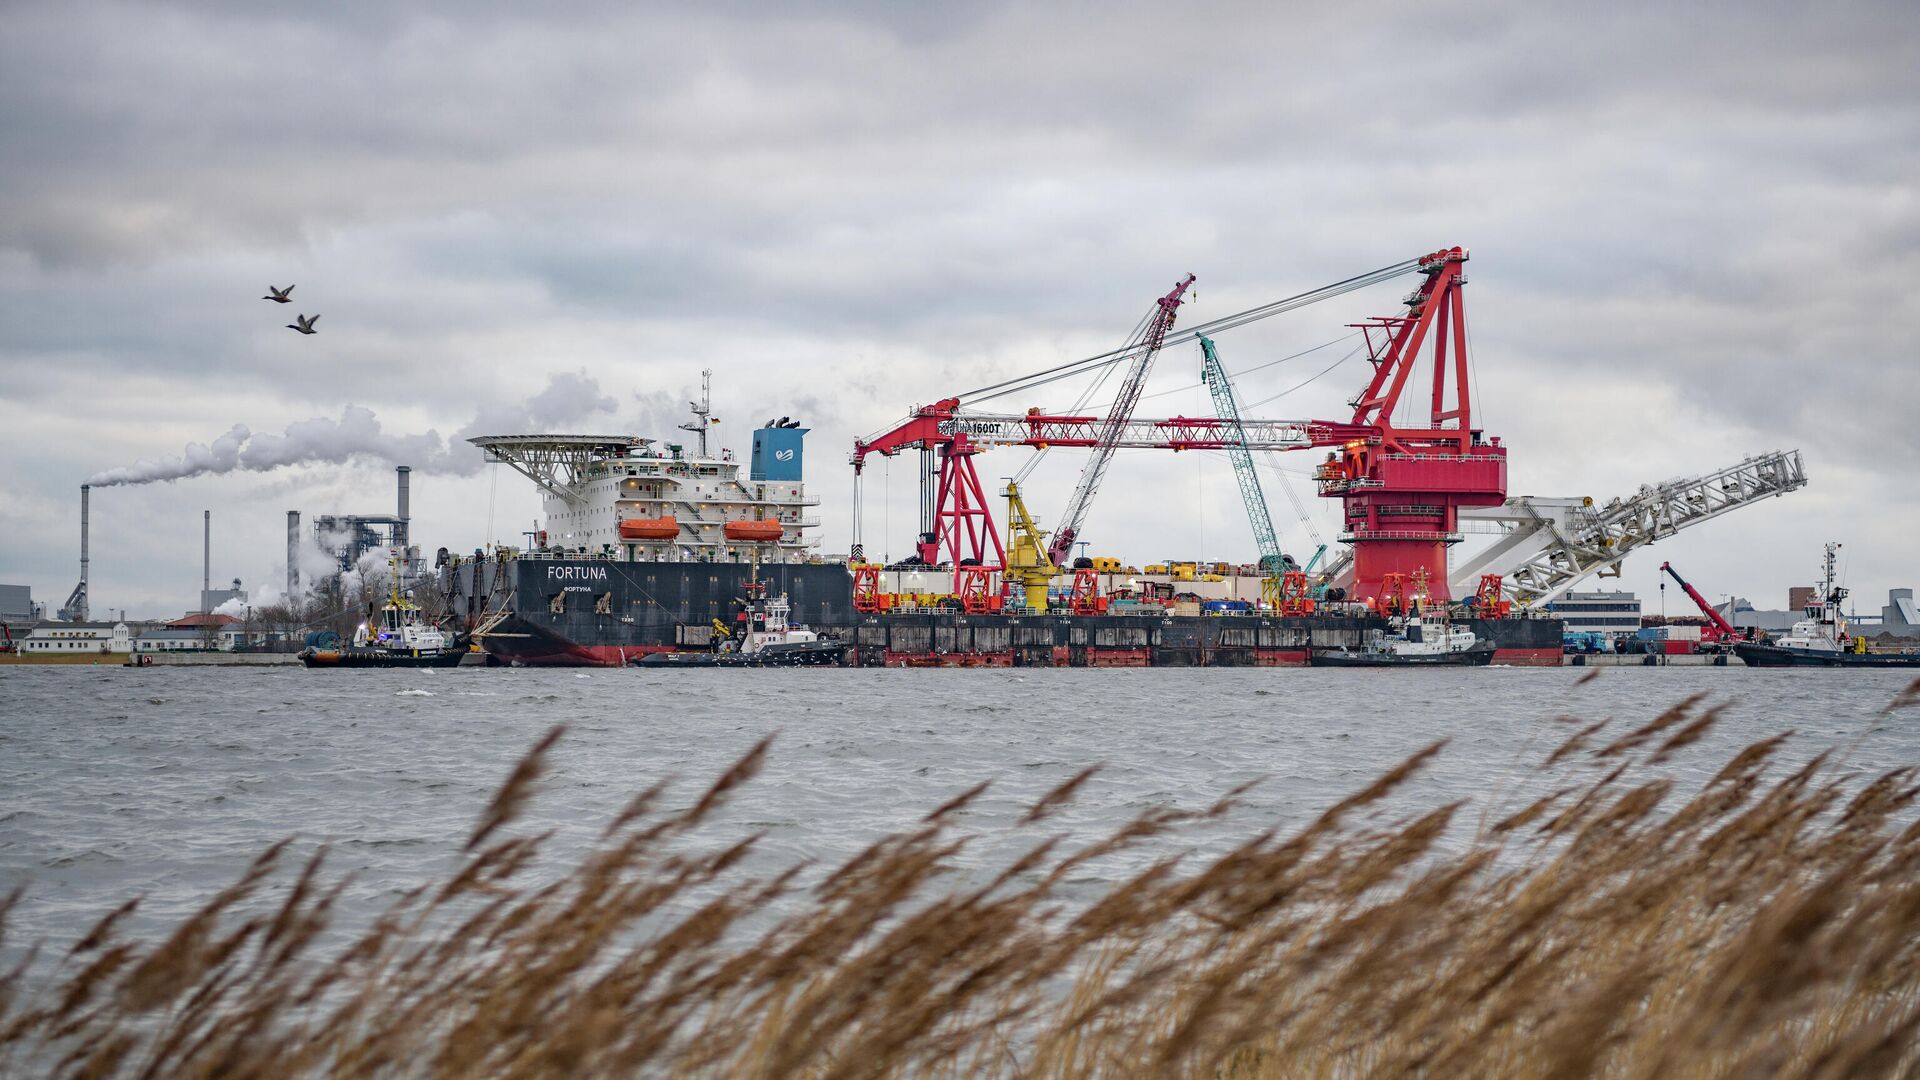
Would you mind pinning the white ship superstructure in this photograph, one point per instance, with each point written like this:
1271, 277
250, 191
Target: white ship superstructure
635, 499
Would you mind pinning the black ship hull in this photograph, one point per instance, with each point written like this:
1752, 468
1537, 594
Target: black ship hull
1759, 655
607, 613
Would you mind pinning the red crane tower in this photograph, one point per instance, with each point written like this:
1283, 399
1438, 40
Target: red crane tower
1404, 486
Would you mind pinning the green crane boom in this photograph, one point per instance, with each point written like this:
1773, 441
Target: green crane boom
1273, 562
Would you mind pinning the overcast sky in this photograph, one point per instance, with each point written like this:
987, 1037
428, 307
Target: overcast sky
1695, 236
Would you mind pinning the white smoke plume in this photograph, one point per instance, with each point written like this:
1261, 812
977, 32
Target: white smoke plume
356, 434
260, 596
368, 578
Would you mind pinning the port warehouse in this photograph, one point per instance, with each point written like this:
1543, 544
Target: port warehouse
598, 611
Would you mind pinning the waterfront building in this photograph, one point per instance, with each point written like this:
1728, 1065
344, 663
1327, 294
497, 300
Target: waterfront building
54, 638
164, 639
1598, 612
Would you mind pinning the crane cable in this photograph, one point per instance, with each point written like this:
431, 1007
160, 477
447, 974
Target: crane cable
1355, 351
1228, 322
1234, 375
1133, 340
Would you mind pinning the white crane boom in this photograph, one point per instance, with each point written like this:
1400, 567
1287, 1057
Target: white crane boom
1546, 546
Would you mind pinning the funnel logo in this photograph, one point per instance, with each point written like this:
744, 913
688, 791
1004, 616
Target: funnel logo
783, 455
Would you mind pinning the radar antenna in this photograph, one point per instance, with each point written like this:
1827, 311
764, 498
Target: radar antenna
702, 411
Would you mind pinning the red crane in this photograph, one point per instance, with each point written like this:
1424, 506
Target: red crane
1721, 630
1402, 487
957, 526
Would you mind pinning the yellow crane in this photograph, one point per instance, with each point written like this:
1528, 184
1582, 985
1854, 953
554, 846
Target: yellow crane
1029, 567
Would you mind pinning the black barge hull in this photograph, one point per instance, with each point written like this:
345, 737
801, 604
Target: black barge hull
599, 612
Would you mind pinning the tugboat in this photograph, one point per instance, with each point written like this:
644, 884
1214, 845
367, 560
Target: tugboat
1821, 639
1427, 640
402, 638
766, 639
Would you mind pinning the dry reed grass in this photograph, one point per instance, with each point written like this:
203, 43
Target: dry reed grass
1765, 924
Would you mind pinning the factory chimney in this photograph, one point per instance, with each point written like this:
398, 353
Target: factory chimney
293, 555
76, 608
401, 537
206, 560
85, 497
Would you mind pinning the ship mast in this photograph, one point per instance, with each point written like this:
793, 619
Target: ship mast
702, 410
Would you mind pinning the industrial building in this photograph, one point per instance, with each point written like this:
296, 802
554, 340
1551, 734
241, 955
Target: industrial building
1743, 615
1598, 612
350, 537
1899, 618
211, 599
17, 607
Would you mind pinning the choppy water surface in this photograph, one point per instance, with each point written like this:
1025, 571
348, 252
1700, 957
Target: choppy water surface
167, 781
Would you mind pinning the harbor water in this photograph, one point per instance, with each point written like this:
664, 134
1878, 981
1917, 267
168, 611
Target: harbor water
166, 782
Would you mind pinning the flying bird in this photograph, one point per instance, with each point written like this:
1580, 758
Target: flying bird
303, 323
279, 296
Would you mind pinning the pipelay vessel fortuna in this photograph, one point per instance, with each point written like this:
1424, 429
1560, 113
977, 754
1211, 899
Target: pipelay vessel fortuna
652, 547
649, 546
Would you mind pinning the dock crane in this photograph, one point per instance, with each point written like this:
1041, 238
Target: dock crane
1274, 563
1721, 629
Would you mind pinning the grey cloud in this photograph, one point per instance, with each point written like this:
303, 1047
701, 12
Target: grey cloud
872, 205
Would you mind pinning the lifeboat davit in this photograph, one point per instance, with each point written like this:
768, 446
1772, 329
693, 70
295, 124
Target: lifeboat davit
665, 528
754, 530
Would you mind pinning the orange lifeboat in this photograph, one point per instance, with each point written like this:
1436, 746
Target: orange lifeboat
665, 528
761, 531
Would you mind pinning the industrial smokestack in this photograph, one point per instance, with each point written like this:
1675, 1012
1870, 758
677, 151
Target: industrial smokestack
401, 535
75, 609
293, 554
79, 604
85, 495
206, 559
